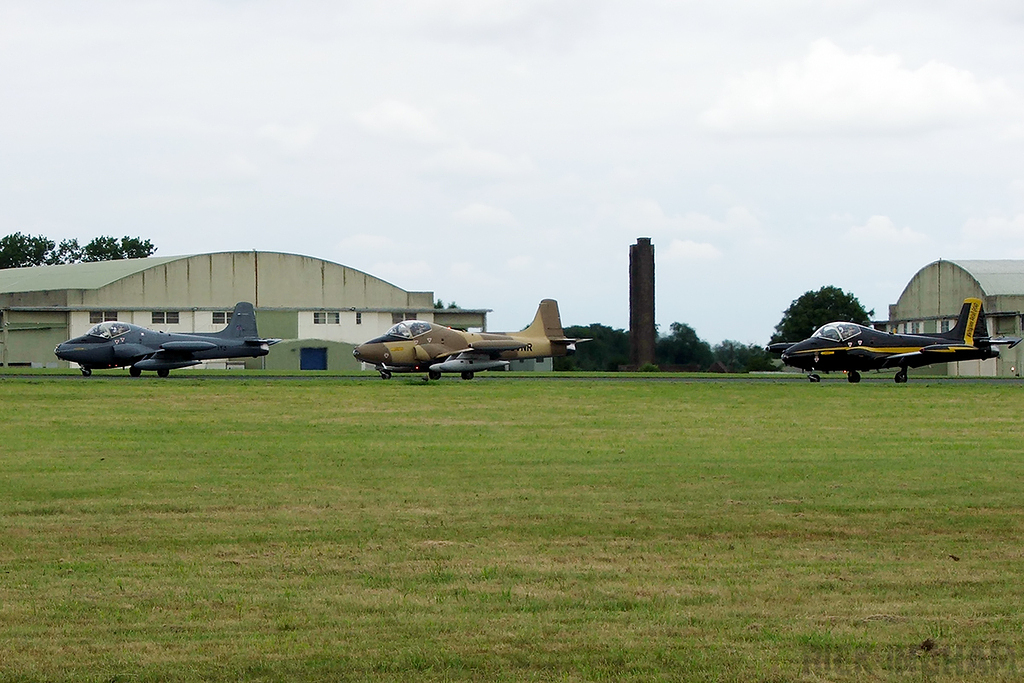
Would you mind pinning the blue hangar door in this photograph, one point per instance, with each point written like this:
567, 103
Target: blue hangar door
313, 359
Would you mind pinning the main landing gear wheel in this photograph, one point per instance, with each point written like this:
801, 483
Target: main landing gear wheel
467, 375
385, 374
853, 376
901, 376
434, 374
86, 372
163, 373
134, 371
814, 377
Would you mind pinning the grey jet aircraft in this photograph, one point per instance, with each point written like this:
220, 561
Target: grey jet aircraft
115, 344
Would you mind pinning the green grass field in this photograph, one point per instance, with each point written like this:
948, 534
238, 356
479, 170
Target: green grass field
510, 530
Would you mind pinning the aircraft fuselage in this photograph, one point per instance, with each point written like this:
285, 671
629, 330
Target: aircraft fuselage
420, 346
852, 348
872, 350
115, 344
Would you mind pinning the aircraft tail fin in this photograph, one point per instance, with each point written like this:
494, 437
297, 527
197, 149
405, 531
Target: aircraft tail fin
970, 321
242, 324
547, 322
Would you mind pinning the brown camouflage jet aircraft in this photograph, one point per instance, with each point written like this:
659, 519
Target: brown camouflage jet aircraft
418, 346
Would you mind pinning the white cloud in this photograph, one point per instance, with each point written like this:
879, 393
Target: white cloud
400, 121
647, 215
363, 242
995, 228
291, 139
239, 166
1017, 188
508, 22
688, 250
831, 91
520, 263
485, 214
880, 231
478, 163
470, 274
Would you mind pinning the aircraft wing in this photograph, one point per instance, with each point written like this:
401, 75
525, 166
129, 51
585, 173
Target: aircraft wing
927, 355
127, 352
187, 346
484, 348
470, 354
948, 348
1009, 342
860, 352
464, 354
865, 354
497, 345
894, 360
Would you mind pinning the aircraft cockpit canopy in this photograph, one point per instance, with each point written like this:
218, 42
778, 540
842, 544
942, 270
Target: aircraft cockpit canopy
408, 329
838, 332
108, 330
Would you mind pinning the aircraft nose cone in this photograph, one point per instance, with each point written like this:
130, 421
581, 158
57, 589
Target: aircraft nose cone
368, 353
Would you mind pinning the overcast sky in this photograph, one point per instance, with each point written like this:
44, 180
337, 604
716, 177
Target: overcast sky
497, 152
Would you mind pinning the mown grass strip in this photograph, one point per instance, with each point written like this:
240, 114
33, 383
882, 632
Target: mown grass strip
509, 530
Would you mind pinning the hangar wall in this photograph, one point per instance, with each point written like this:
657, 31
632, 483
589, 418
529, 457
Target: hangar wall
268, 280
932, 299
297, 298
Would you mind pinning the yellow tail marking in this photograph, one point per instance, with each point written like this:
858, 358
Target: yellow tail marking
972, 320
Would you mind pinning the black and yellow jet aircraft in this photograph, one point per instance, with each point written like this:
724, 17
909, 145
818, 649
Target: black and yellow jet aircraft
854, 348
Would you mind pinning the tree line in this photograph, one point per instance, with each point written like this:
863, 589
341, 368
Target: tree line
683, 348
21, 251
608, 350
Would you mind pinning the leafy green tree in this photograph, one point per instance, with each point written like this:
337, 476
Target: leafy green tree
110, 249
19, 251
682, 346
136, 247
67, 251
814, 309
739, 357
607, 349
